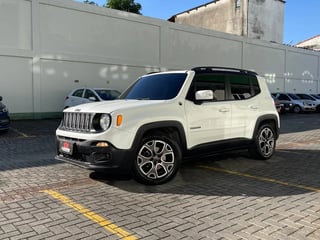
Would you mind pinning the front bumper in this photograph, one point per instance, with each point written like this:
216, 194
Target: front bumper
308, 108
87, 155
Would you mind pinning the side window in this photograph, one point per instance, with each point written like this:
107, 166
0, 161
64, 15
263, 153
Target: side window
78, 93
283, 97
89, 94
243, 86
208, 81
255, 86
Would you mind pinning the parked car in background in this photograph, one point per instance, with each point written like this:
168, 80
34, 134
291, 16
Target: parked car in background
86, 95
306, 96
317, 97
279, 106
287, 105
295, 103
4, 117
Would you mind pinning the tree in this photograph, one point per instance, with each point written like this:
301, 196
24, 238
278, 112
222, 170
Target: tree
90, 2
124, 5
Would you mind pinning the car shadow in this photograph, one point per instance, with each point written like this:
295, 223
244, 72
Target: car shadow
235, 174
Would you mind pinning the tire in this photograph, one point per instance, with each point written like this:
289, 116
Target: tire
157, 160
297, 109
264, 144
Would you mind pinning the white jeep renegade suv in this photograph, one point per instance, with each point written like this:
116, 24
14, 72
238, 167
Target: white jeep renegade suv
162, 117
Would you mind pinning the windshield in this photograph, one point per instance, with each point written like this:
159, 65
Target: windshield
156, 87
107, 94
316, 96
293, 96
305, 96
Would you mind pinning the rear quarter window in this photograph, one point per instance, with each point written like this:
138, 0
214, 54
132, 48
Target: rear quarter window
78, 93
243, 86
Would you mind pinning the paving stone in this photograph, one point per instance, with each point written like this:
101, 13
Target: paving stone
197, 204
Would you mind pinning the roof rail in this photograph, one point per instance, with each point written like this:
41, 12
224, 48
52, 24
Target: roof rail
207, 69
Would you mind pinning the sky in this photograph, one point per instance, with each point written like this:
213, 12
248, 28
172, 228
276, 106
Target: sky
301, 19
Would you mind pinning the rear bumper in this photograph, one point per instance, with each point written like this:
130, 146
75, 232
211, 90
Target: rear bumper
87, 155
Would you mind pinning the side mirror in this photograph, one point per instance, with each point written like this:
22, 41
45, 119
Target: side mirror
204, 95
93, 99
1, 98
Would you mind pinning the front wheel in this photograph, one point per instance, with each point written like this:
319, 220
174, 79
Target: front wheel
297, 109
157, 160
264, 143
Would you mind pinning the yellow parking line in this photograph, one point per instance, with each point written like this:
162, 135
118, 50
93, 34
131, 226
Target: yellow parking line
313, 189
20, 133
114, 229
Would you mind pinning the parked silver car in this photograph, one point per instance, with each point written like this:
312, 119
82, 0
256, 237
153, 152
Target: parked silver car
4, 117
315, 99
296, 104
86, 95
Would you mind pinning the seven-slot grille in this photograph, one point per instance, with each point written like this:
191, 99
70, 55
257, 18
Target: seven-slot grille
75, 121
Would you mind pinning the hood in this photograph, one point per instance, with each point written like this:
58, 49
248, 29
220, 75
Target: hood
111, 106
307, 101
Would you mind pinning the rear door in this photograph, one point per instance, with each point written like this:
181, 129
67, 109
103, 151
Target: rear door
245, 107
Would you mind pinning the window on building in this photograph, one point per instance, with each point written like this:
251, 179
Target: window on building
238, 3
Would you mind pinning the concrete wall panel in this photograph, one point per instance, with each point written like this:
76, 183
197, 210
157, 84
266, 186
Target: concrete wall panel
16, 83
65, 30
264, 59
301, 86
64, 76
15, 24
302, 66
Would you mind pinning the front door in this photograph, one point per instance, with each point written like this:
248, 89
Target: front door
210, 120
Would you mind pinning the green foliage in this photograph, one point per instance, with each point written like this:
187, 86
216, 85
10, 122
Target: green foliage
124, 5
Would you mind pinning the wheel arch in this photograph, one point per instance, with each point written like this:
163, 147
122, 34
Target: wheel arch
172, 128
270, 119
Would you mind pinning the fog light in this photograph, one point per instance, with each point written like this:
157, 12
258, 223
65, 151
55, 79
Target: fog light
102, 144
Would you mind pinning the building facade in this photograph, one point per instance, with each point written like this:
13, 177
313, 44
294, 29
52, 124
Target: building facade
258, 19
311, 43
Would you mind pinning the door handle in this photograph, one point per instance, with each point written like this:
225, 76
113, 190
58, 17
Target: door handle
254, 107
224, 110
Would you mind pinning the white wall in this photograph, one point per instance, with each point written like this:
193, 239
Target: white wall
51, 43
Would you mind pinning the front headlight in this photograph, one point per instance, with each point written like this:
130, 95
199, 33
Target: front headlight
4, 110
105, 121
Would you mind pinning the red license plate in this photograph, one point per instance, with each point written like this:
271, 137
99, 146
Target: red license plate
66, 147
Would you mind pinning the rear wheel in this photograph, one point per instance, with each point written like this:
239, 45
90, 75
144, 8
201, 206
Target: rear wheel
264, 143
157, 160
